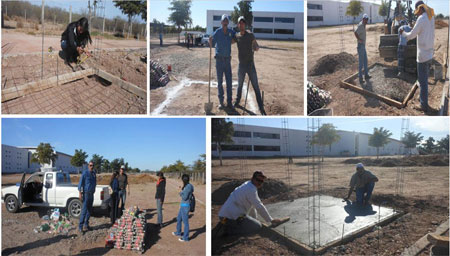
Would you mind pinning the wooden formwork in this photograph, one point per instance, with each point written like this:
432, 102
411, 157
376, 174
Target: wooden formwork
346, 84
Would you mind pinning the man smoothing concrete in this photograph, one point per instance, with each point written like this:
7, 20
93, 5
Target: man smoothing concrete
424, 31
238, 214
246, 44
221, 39
364, 181
360, 34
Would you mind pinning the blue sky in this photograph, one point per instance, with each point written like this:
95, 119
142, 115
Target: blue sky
146, 143
110, 10
159, 8
436, 127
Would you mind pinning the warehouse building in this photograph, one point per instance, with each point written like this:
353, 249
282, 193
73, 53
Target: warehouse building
331, 13
259, 141
266, 25
18, 160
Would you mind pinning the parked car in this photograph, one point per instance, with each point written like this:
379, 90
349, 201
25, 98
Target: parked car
51, 189
205, 40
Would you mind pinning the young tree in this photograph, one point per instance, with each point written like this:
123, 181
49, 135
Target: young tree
44, 154
222, 132
411, 140
325, 136
354, 9
244, 8
429, 146
379, 138
200, 164
181, 14
131, 9
443, 145
78, 159
383, 11
97, 160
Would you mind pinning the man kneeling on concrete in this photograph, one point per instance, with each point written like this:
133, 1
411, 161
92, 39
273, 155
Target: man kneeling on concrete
238, 214
364, 181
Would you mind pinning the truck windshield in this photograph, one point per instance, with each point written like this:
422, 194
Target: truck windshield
62, 178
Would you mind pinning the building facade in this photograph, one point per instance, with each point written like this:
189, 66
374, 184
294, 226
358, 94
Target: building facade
258, 141
18, 160
266, 25
331, 13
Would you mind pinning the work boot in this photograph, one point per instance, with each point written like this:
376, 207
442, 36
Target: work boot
230, 106
367, 77
263, 112
361, 81
237, 105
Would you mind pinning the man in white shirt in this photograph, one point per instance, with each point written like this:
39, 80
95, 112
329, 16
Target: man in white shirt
424, 31
238, 214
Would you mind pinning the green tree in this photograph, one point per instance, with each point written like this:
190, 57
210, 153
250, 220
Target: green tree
79, 158
326, 136
411, 140
383, 11
222, 132
181, 14
106, 166
200, 164
115, 164
244, 8
442, 145
379, 138
429, 145
44, 154
354, 9
97, 160
131, 9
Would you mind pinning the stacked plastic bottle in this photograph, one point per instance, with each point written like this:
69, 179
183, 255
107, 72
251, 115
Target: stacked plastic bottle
128, 232
317, 98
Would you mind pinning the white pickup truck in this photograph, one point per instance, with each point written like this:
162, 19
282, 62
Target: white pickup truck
51, 189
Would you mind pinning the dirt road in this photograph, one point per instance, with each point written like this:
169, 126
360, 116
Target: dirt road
17, 43
279, 65
333, 40
425, 198
158, 241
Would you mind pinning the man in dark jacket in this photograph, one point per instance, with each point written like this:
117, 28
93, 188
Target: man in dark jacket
159, 196
75, 39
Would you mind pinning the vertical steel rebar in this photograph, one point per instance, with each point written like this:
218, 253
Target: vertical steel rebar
42, 21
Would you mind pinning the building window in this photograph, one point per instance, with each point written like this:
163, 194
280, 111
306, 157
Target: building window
236, 147
315, 18
263, 19
284, 31
263, 30
217, 17
267, 148
215, 28
242, 134
284, 20
264, 135
315, 6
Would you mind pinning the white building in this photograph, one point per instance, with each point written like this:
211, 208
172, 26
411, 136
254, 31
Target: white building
258, 141
330, 13
266, 25
18, 160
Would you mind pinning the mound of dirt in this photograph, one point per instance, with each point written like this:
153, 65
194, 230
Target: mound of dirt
426, 160
104, 179
440, 24
270, 188
332, 62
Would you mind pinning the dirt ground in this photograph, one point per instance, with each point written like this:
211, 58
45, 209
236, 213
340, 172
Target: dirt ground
158, 241
426, 207
279, 65
343, 40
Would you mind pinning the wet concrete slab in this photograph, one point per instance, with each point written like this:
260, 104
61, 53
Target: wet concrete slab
334, 214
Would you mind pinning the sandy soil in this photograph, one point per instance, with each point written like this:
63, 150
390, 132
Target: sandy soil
427, 207
359, 104
158, 241
279, 65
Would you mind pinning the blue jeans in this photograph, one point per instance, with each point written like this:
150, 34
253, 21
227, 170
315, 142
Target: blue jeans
223, 65
249, 68
422, 73
122, 198
183, 215
242, 226
367, 189
362, 60
86, 211
114, 214
159, 210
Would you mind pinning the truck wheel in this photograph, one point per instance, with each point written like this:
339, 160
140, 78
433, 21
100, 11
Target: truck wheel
74, 208
12, 204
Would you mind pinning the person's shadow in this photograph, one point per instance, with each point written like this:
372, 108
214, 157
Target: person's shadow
353, 209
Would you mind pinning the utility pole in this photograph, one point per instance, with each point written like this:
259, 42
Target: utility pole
25, 15
70, 14
42, 21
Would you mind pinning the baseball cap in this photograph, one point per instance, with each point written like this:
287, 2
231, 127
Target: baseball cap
258, 173
122, 167
241, 18
224, 16
359, 165
418, 3
365, 16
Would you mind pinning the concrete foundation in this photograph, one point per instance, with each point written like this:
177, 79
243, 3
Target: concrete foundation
335, 216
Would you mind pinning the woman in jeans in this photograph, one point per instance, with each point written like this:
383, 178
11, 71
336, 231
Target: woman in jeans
183, 214
114, 184
159, 196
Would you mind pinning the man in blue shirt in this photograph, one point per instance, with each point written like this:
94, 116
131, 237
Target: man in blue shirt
402, 41
221, 39
86, 188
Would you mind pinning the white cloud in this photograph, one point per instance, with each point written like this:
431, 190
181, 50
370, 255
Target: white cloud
435, 124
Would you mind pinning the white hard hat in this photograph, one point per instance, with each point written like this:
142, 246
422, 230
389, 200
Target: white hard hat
224, 17
365, 16
359, 165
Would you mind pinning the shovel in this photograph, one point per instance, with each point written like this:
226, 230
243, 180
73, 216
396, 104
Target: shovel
246, 95
209, 105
